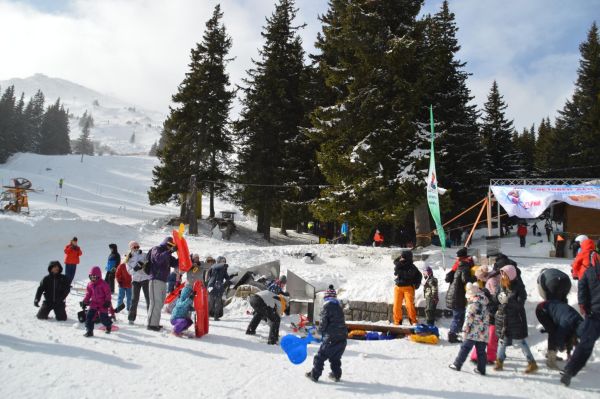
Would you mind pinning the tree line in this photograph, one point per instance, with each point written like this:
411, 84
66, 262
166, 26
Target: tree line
342, 135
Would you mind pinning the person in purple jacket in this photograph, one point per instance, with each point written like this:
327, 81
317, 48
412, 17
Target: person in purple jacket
97, 298
161, 262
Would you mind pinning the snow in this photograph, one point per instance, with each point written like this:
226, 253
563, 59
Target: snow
107, 202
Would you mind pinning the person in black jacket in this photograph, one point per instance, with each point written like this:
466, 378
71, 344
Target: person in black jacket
334, 335
511, 320
408, 279
55, 287
455, 299
588, 297
218, 281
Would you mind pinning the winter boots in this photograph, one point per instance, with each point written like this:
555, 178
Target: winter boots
453, 338
311, 377
250, 332
551, 359
333, 377
565, 379
531, 367
88, 334
454, 367
119, 308
108, 329
499, 365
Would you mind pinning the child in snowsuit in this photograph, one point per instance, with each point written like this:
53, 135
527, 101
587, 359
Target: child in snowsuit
430, 292
475, 329
97, 298
114, 260
124, 279
270, 307
334, 335
455, 297
55, 287
491, 282
180, 316
511, 319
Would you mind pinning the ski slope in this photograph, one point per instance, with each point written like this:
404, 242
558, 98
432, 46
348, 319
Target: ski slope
104, 200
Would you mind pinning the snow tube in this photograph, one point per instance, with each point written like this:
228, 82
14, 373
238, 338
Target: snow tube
554, 284
372, 336
424, 329
424, 339
295, 347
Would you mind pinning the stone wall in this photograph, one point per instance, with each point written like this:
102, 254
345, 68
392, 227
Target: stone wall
376, 311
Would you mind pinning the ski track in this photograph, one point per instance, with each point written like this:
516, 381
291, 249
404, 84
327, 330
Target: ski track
54, 360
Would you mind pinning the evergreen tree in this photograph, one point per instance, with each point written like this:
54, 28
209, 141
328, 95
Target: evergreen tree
55, 131
196, 134
544, 148
372, 137
578, 124
525, 146
83, 145
459, 148
132, 138
33, 115
153, 149
269, 129
8, 122
502, 159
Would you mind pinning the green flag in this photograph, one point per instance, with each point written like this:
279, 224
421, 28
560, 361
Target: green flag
432, 189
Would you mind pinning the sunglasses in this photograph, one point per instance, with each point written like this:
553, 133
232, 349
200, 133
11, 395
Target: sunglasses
92, 277
136, 247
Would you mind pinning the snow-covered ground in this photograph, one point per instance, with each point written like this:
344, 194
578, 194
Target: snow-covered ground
104, 200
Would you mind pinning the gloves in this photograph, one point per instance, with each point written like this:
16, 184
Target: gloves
36, 303
107, 304
82, 304
210, 289
139, 251
502, 298
173, 249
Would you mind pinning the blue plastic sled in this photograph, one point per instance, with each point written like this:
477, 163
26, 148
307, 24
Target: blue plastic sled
295, 347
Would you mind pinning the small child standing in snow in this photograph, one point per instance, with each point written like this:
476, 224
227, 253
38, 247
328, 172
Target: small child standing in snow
430, 292
180, 316
97, 297
475, 329
334, 336
124, 279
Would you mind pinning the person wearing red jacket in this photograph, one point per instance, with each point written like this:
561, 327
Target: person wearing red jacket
522, 233
583, 258
124, 280
72, 254
378, 239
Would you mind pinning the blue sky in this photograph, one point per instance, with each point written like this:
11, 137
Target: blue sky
138, 50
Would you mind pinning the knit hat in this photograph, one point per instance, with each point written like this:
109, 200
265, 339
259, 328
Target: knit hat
427, 270
330, 292
461, 252
510, 271
482, 273
133, 244
74, 239
113, 246
221, 259
283, 279
471, 290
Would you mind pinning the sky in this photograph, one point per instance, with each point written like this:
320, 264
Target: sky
138, 50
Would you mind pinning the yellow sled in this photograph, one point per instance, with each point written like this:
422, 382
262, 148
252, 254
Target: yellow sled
424, 339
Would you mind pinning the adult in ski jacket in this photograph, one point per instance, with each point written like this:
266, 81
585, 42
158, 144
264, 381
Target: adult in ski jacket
584, 258
461, 257
522, 233
97, 294
267, 306
378, 239
139, 279
561, 322
55, 287
72, 254
114, 260
162, 260
456, 301
408, 279
218, 280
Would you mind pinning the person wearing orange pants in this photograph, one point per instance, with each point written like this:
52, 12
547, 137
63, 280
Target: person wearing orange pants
408, 279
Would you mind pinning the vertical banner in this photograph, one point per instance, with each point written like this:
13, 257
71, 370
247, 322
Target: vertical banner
432, 189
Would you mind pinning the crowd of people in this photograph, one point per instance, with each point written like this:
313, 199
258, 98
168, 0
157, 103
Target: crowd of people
487, 304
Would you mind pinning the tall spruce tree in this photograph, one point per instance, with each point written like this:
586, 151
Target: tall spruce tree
525, 146
371, 144
33, 115
55, 131
545, 148
459, 148
83, 145
502, 158
8, 122
578, 124
269, 129
196, 133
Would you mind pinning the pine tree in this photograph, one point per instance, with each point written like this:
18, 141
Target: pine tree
153, 149
269, 129
525, 146
578, 124
132, 138
33, 115
372, 137
196, 133
55, 131
502, 159
8, 139
459, 148
544, 148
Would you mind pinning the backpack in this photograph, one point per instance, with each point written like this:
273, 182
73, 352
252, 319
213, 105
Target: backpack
147, 262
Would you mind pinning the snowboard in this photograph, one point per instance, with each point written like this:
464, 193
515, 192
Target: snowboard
201, 308
173, 295
113, 328
183, 252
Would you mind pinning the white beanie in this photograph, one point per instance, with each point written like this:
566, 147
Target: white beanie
472, 290
133, 244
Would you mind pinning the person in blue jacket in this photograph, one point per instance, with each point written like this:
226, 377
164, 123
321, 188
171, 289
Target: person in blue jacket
334, 336
114, 260
181, 315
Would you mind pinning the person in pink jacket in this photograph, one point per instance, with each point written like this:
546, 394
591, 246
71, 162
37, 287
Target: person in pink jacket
97, 298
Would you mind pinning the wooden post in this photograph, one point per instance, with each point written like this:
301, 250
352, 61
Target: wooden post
489, 212
422, 226
468, 240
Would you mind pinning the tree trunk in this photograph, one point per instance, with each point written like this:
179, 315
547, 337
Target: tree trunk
260, 221
183, 209
212, 200
282, 229
192, 218
422, 226
267, 221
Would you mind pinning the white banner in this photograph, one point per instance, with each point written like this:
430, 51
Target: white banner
532, 201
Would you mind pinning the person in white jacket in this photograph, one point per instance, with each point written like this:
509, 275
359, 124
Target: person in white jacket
140, 281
